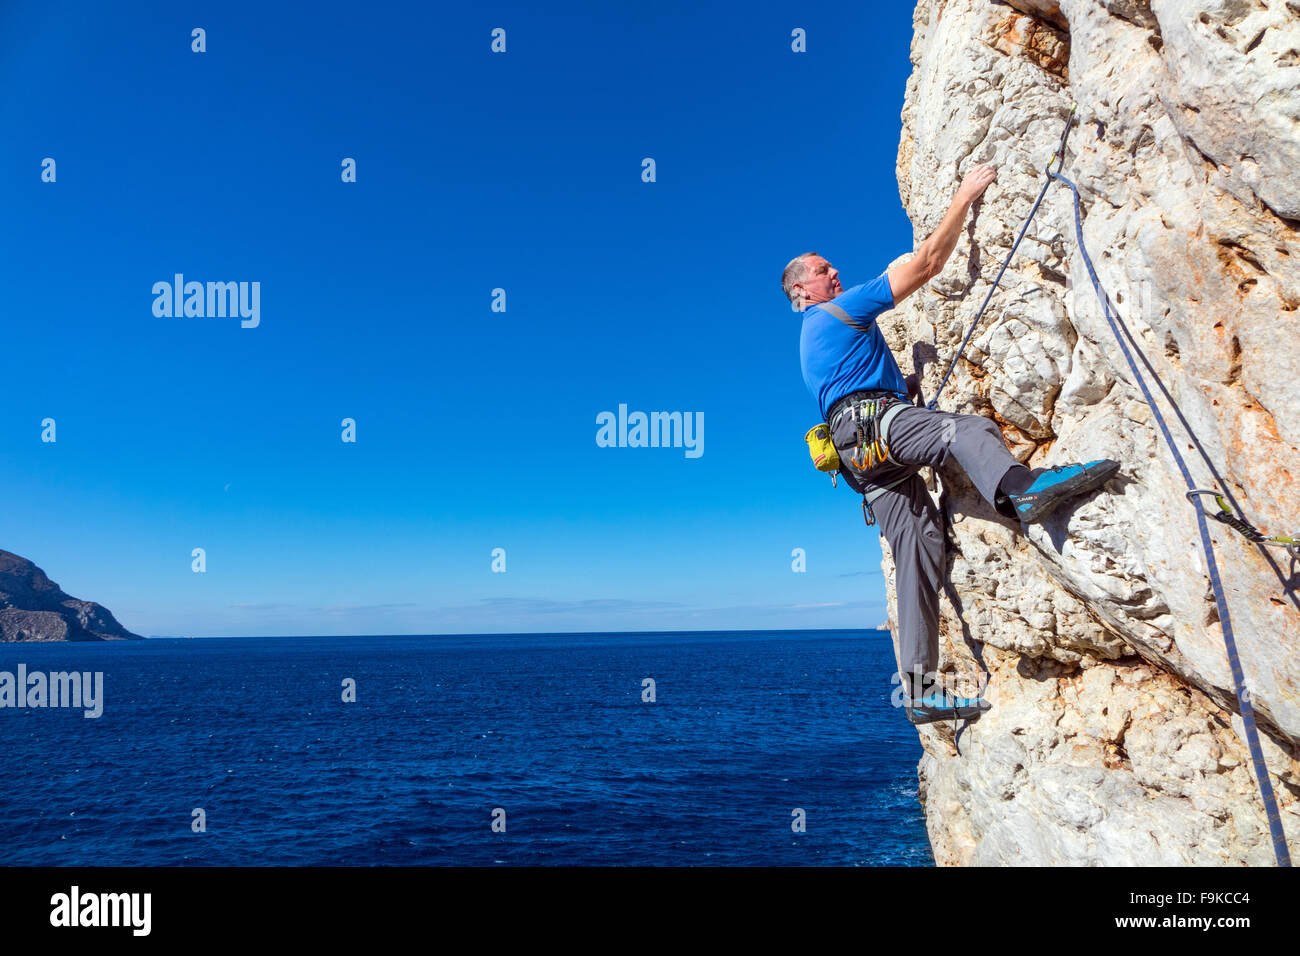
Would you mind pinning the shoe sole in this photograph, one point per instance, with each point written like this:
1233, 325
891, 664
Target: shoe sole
1070, 488
960, 713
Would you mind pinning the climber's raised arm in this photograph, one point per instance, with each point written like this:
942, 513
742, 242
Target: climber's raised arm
932, 254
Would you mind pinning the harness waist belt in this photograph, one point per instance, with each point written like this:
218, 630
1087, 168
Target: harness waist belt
840, 404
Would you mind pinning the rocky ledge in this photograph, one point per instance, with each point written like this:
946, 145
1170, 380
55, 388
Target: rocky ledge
1115, 736
34, 608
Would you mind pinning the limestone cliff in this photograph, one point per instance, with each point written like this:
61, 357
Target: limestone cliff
1115, 737
34, 608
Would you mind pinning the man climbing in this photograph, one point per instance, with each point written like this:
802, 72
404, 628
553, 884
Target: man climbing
883, 441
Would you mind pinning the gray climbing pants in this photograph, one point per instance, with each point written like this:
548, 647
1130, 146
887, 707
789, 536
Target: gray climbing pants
908, 519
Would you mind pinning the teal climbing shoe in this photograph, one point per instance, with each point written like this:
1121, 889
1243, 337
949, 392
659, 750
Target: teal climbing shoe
1054, 485
934, 707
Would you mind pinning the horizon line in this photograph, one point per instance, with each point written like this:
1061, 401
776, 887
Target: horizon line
730, 630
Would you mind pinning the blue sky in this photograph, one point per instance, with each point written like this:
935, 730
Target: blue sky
475, 429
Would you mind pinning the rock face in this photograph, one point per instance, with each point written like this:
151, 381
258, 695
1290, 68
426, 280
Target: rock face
1114, 737
34, 608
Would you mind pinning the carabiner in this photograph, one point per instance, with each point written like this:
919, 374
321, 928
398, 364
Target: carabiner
1245, 528
1218, 498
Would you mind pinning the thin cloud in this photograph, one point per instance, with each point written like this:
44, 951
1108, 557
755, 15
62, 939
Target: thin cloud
588, 606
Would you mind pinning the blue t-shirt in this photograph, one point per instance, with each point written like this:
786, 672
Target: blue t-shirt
838, 359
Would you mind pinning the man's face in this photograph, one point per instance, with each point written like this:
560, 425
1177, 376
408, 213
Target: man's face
821, 281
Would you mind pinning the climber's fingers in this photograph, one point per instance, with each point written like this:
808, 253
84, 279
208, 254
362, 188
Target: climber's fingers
978, 180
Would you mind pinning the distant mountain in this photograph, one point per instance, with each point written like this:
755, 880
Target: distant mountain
34, 608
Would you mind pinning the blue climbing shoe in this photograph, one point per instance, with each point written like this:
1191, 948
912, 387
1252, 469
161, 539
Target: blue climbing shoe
1054, 485
934, 707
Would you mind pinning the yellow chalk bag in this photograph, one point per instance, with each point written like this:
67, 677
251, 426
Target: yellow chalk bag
822, 449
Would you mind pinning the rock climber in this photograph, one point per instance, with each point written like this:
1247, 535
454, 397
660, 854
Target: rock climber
883, 441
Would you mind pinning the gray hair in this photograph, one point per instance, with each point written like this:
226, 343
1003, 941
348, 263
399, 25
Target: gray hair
796, 270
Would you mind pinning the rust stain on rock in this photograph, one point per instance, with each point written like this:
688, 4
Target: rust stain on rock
1035, 40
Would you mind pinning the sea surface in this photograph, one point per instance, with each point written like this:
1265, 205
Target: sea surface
746, 728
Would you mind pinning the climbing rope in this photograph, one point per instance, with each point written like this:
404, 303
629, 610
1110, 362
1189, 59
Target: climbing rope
1194, 495
1059, 156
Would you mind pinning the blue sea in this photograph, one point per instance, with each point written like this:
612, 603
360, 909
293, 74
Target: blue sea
551, 730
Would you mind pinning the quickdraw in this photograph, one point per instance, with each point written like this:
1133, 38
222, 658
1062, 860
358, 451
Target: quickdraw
872, 449
1225, 515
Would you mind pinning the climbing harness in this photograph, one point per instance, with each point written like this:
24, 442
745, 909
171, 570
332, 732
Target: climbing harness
1194, 495
1058, 157
872, 413
1290, 542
